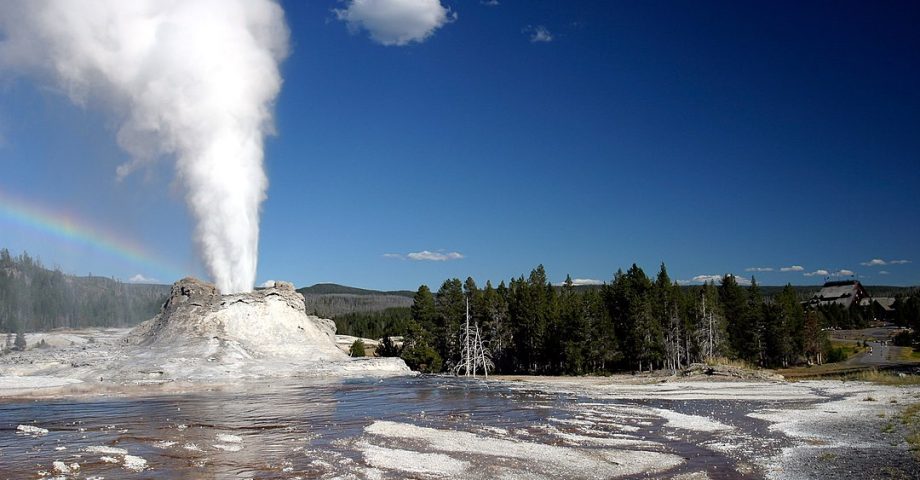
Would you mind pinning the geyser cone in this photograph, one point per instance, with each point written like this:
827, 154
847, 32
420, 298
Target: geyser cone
270, 322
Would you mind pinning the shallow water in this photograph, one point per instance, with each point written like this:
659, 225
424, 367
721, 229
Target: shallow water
319, 429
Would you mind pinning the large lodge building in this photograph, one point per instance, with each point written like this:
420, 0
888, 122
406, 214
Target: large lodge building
847, 293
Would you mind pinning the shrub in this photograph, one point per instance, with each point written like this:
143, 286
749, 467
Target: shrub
387, 348
422, 358
357, 348
902, 339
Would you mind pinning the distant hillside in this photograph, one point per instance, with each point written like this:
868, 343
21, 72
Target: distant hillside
34, 298
329, 300
334, 288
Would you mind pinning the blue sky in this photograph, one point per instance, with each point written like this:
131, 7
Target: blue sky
713, 136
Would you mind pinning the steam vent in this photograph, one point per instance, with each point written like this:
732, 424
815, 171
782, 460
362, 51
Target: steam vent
200, 334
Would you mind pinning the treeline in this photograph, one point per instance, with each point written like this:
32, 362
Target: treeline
374, 324
33, 298
634, 323
333, 305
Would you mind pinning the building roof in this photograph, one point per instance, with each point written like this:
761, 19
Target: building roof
886, 303
841, 293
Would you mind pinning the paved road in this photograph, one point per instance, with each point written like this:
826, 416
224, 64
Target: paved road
880, 354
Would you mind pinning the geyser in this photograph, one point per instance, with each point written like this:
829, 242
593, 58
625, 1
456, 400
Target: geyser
189, 80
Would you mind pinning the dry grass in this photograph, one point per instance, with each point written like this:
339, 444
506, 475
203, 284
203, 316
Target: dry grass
910, 418
883, 378
908, 355
722, 361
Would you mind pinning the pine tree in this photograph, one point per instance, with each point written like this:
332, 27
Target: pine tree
20, 343
496, 325
418, 351
793, 325
734, 307
387, 348
357, 348
813, 338
423, 309
755, 349
451, 309
711, 333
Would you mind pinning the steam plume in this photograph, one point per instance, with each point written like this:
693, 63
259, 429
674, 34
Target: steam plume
189, 80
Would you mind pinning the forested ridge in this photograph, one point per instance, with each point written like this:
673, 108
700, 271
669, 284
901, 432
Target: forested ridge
633, 323
34, 298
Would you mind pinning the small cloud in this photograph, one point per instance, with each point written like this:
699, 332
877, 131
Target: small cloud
844, 273
874, 262
582, 281
884, 272
142, 279
817, 273
395, 22
742, 280
793, 268
759, 269
705, 278
490, 3
714, 279
878, 262
394, 255
538, 34
426, 255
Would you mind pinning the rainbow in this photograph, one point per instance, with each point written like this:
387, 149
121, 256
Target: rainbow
71, 230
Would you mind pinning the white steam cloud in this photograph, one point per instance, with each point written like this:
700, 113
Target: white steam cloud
189, 80
396, 22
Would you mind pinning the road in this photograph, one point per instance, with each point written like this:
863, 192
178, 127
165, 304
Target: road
879, 354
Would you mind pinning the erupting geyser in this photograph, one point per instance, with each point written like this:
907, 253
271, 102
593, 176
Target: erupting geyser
189, 80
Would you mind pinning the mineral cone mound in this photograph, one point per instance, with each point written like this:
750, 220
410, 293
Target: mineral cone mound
271, 322
200, 334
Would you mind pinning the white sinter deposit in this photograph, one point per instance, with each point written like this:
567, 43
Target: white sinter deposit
201, 335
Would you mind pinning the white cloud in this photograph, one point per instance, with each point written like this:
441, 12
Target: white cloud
817, 273
142, 279
844, 273
394, 255
874, 262
490, 3
759, 269
793, 268
878, 262
884, 272
706, 278
395, 22
538, 34
434, 256
582, 281
714, 278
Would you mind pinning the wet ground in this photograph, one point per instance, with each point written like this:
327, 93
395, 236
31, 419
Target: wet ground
431, 427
